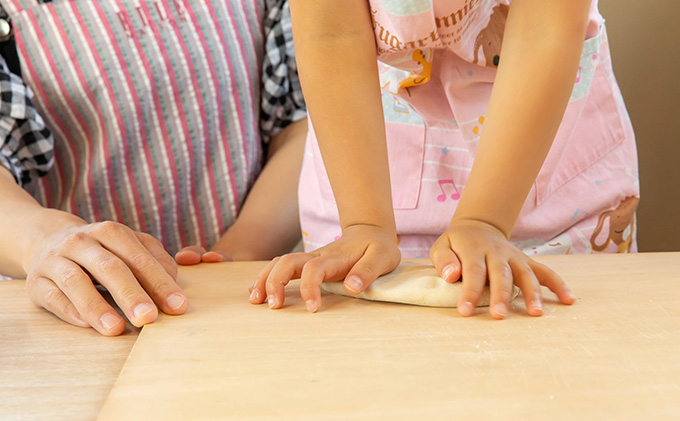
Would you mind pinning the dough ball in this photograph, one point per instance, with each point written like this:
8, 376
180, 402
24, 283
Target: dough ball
412, 283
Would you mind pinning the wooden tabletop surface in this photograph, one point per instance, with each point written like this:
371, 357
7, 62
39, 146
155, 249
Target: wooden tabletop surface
615, 353
50, 370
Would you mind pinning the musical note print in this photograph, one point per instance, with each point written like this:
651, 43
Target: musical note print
442, 197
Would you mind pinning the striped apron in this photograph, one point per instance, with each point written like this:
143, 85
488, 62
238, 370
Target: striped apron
154, 108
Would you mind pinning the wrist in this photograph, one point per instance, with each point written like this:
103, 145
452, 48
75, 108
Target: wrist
43, 223
383, 221
389, 232
480, 209
458, 221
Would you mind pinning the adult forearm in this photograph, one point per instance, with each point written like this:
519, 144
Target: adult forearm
535, 77
24, 221
269, 223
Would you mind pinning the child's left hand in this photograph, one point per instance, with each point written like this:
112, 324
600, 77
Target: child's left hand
194, 255
479, 251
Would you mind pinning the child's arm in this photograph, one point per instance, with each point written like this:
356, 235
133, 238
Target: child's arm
337, 61
539, 58
269, 224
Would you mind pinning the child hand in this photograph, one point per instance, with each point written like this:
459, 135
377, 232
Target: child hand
363, 253
477, 251
194, 255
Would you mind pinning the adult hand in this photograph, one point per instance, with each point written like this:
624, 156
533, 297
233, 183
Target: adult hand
477, 251
363, 253
62, 267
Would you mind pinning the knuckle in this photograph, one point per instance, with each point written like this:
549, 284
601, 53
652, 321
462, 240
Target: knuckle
149, 238
504, 271
438, 250
286, 260
499, 248
31, 281
476, 269
165, 259
52, 300
52, 253
524, 271
152, 243
92, 307
111, 264
312, 266
109, 228
269, 268
71, 278
368, 269
308, 289
506, 289
75, 238
130, 295
142, 261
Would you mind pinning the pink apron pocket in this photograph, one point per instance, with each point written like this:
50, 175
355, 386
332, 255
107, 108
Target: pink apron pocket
591, 126
405, 150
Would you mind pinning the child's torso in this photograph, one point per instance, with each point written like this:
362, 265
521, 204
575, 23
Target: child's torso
438, 66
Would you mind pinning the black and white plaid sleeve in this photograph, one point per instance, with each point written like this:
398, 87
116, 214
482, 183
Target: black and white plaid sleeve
26, 146
282, 101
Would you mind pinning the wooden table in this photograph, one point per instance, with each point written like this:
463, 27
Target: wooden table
614, 354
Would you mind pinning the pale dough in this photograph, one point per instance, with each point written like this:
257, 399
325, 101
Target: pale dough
412, 283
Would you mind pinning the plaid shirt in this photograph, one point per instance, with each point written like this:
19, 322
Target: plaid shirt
27, 147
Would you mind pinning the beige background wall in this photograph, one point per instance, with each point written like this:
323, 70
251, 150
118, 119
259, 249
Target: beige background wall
645, 44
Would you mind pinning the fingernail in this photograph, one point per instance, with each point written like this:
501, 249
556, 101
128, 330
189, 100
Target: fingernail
466, 308
271, 301
354, 284
142, 310
312, 306
254, 295
109, 321
174, 301
501, 309
447, 271
570, 294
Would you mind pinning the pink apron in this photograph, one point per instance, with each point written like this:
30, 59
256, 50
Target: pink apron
438, 63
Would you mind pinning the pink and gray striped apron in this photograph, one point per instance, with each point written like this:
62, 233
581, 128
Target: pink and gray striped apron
154, 109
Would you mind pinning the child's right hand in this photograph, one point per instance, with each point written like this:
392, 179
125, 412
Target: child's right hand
360, 256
